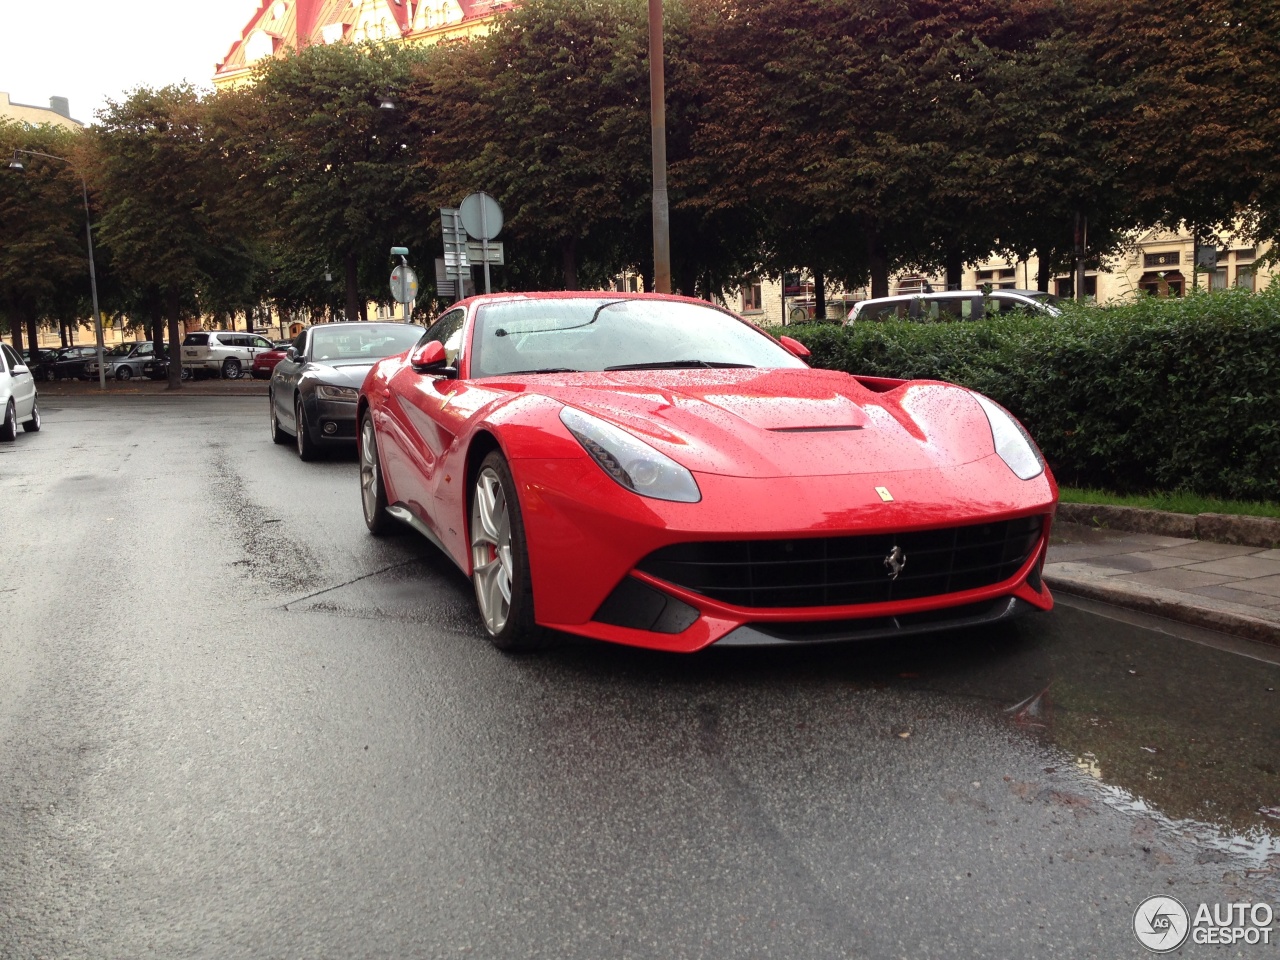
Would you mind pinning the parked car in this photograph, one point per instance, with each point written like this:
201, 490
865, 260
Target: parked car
224, 352
656, 471
43, 367
157, 367
314, 387
944, 305
123, 361
19, 401
265, 362
70, 364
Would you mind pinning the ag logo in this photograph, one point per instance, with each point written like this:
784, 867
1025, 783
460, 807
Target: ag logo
1161, 924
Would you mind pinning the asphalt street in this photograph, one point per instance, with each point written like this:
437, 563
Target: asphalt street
233, 724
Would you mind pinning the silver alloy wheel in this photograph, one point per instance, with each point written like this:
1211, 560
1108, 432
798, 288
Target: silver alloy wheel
9, 427
299, 428
491, 562
368, 472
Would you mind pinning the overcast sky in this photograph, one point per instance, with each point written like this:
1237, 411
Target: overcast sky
91, 51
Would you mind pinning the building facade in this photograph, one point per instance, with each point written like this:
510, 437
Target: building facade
280, 25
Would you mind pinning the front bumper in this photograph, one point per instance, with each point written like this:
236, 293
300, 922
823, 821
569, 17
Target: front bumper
587, 535
330, 421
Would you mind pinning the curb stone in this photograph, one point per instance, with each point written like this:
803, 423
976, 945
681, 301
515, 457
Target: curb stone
1218, 527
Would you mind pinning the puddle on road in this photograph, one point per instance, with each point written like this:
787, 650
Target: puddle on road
1174, 731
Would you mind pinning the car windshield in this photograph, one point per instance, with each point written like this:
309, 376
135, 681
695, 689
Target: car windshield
592, 334
120, 350
339, 342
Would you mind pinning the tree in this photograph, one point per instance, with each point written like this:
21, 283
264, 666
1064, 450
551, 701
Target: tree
43, 255
310, 143
161, 177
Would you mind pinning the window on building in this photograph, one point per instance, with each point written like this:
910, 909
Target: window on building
1245, 277
998, 278
1218, 279
1157, 261
1163, 283
752, 300
1065, 287
1247, 253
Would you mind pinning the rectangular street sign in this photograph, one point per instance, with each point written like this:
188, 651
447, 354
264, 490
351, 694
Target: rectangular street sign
457, 265
446, 286
475, 252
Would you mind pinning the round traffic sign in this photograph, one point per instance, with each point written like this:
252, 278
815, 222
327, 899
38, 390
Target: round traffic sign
404, 284
481, 216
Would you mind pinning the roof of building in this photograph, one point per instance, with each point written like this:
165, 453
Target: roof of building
57, 113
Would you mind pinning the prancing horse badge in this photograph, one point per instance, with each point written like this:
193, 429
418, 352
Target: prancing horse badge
894, 562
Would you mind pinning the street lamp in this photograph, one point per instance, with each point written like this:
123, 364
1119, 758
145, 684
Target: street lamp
16, 165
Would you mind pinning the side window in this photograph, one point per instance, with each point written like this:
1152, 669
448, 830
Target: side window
448, 330
261, 343
10, 358
300, 345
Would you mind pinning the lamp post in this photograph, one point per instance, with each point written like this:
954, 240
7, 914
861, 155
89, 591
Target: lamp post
16, 164
658, 138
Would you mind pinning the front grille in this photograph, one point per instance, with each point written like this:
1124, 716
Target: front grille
834, 571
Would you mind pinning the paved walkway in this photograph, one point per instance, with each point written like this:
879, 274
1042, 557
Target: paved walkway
1235, 589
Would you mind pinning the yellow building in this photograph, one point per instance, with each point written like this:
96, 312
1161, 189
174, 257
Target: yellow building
280, 25
58, 113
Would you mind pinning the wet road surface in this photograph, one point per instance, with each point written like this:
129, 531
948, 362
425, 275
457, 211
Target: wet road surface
232, 724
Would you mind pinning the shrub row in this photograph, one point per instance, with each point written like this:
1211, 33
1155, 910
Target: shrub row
1154, 395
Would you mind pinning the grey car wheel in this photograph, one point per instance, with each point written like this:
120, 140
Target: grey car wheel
277, 435
500, 559
231, 368
33, 425
124, 373
373, 495
306, 446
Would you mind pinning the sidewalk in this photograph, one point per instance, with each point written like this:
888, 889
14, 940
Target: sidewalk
1228, 587
244, 387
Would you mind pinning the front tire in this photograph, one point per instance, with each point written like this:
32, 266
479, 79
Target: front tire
373, 494
9, 426
307, 449
124, 373
231, 368
33, 425
500, 559
277, 435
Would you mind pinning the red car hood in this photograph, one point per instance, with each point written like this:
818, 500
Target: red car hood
786, 422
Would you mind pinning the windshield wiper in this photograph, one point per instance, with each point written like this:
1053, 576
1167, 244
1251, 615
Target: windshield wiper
679, 365
516, 373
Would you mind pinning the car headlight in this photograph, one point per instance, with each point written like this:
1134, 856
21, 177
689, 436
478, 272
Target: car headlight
1013, 443
326, 391
630, 461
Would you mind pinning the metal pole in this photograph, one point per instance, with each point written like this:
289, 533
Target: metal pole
93, 290
484, 241
658, 127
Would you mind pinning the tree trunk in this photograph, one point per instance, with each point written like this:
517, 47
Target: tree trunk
175, 338
1044, 270
879, 259
157, 330
955, 270
354, 309
17, 317
819, 295
569, 262
33, 335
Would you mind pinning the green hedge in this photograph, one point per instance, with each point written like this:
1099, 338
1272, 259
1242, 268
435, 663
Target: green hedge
1154, 395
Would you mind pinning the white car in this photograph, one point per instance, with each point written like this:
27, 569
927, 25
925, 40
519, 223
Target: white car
17, 395
224, 352
943, 305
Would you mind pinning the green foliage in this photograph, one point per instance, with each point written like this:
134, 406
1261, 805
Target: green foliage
1176, 502
1154, 395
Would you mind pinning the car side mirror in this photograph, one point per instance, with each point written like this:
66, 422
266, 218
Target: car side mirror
430, 358
291, 354
21, 368
795, 347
